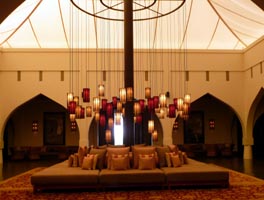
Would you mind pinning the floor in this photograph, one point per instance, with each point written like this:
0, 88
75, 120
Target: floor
252, 167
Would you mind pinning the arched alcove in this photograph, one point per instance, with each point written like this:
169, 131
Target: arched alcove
51, 124
205, 110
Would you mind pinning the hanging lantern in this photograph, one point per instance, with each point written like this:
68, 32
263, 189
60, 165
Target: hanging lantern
78, 112
122, 95
150, 126
114, 101
82, 112
123, 111
119, 107
118, 119
71, 107
72, 117
104, 104
172, 111
139, 119
142, 105
86, 94
110, 123
76, 99
162, 113
150, 105
135, 119
35, 127
102, 120
101, 90
96, 104
180, 104
108, 136
147, 92
137, 110
109, 109
163, 100
129, 94
69, 98
156, 101
185, 108
187, 98
175, 102
73, 126
97, 116
155, 135
88, 111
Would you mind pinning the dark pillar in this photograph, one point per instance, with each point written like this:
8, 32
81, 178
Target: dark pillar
128, 70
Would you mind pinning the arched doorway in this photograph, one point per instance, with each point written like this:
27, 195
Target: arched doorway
258, 134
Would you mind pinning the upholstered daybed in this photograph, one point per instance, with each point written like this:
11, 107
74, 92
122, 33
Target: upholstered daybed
146, 166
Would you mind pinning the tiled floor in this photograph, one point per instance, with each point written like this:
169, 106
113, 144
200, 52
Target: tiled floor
253, 167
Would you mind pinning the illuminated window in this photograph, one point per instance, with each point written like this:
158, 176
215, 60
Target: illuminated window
118, 132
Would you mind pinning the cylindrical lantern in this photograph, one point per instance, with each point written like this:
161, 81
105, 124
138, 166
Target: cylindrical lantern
110, 123
150, 105
69, 98
114, 101
139, 119
82, 112
129, 94
119, 107
101, 90
122, 95
137, 110
180, 104
185, 108
76, 99
71, 107
123, 111
102, 121
142, 105
108, 136
187, 98
96, 104
156, 101
147, 92
162, 113
72, 117
104, 104
109, 109
155, 135
118, 118
175, 102
78, 112
162, 100
172, 111
150, 126
88, 111
86, 94
97, 116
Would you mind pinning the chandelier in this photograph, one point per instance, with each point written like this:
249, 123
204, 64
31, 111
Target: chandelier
126, 104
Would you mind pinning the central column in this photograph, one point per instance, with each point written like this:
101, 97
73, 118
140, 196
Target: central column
128, 71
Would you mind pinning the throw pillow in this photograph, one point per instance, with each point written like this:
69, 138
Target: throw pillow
100, 157
185, 158
116, 151
173, 148
162, 156
142, 150
70, 161
75, 160
175, 161
88, 162
119, 162
146, 162
168, 158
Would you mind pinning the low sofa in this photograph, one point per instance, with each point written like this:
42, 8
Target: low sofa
64, 175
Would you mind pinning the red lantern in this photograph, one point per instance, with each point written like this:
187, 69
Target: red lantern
86, 94
104, 103
150, 105
114, 100
142, 105
102, 120
175, 101
156, 101
82, 112
109, 109
72, 107
139, 119
172, 111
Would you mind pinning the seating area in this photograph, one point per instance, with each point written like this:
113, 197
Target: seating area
139, 165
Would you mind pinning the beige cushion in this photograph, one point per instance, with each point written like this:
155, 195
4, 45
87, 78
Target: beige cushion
116, 151
162, 156
120, 162
101, 157
70, 160
88, 162
82, 151
173, 148
175, 160
144, 151
146, 162
75, 160
168, 158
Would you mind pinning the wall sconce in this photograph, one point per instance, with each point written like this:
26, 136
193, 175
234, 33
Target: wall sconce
212, 124
175, 125
73, 126
35, 127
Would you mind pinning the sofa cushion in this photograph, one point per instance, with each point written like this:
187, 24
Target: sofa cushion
175, 160
120, 162
168, 158
162, 156
101, 157
70, 160
116, 151
87, 162
143, 151
146, 162
173, 148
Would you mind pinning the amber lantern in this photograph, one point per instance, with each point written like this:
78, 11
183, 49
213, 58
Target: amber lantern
86, 94
150, 126
122, 95
96, 104
129, 94
88, 111
110, 122
97, 116
101, 90
118, 119
187, 98
163, 100
72, 117
155, 135
180, 104
76, 99
137, 110
78, 112
119, 107
147, 92
162, 113
69, 98
108, 136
